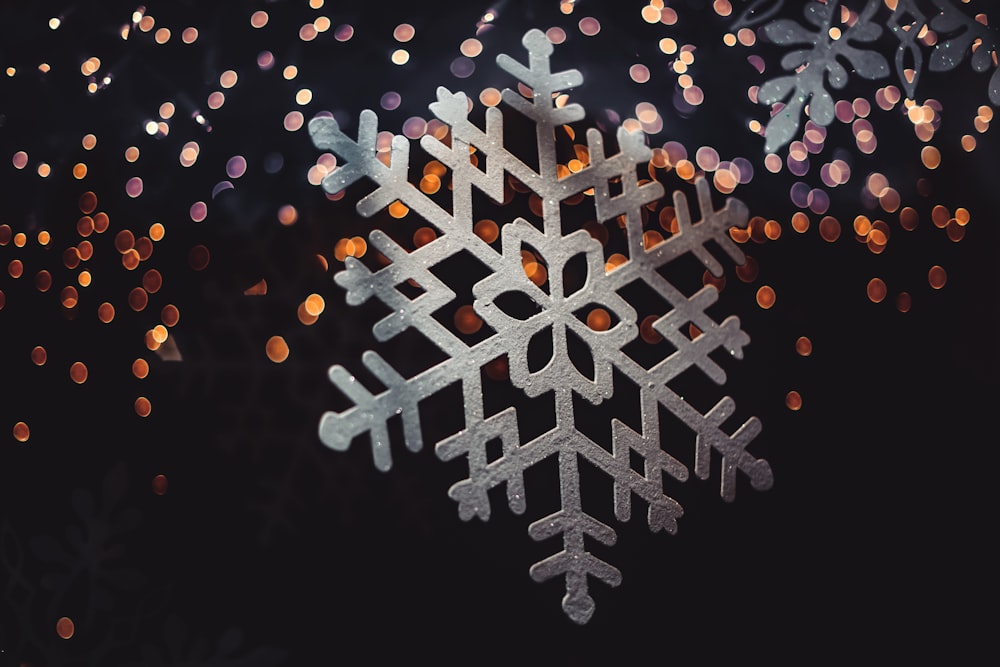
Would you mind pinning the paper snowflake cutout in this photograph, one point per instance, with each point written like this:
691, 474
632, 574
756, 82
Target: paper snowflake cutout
815, 66
555, 317
835, 42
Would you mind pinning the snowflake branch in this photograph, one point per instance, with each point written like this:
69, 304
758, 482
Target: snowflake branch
691, 237
632, 151
453, 109
709, 434
663, 510
371, 413
360, 158
733, 450
726, 335
472, 493
574, 561
543, 83
361, 284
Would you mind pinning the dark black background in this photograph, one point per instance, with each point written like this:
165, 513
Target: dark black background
873, 543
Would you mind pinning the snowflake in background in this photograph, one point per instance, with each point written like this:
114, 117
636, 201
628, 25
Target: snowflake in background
556, 316
838, 35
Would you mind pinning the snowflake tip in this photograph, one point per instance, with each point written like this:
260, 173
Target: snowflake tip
324, 131
579, 609
537, 43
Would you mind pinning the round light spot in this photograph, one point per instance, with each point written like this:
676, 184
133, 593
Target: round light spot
133, 188
199, 257
152, 281
390, 100
143, 406
829, 229
937, 277
471, 47
159, 333
170, 315
707, 158
766, 297
800, 222
589, 26
315, 304
803, 346
159, 484
236, 166
343, 33
404, 32
487, 230
876, 290
287, 215
65, 627
466, 320
276, 349
106, 312
199, 211
598, 319
414, 127
138, 298
556, 35
308, 32
903, 302
78, 372
639, 73
21, 432
293, 121
931, 157
462, 67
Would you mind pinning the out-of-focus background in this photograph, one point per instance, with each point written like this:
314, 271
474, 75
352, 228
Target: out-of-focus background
168, 316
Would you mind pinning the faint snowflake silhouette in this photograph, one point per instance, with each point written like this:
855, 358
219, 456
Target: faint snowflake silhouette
179, 647
91, 553
85, 570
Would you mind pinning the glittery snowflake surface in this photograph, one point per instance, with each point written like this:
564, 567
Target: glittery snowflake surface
618, 196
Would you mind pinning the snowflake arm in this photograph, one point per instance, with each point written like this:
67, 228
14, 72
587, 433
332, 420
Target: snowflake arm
574, 561
471, 494
538, 76
454, 110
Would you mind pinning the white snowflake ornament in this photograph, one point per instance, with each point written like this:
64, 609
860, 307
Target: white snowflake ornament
556, 311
